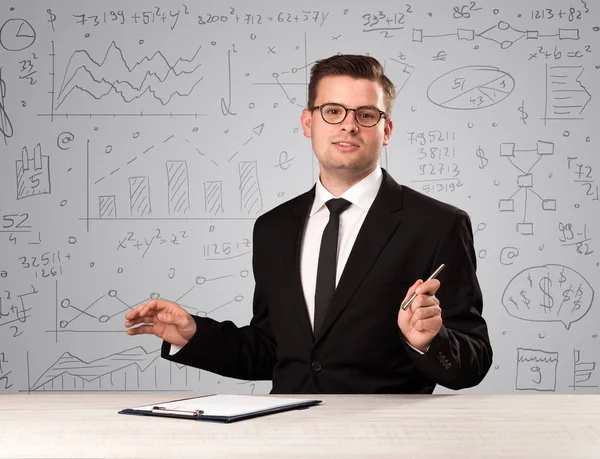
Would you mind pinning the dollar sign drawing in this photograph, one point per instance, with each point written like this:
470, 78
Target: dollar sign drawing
52, 18
483, 160
525, 299
547, 300
577, 302
562, 277
524, 114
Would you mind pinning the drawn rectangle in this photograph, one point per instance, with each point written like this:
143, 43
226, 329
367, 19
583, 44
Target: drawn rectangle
506, 205
525, 181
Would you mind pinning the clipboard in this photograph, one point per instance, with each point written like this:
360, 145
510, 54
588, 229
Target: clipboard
221, 407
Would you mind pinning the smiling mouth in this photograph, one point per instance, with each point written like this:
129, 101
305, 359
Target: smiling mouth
345, 144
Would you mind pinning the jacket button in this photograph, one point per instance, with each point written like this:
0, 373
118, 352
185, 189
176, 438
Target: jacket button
316, 365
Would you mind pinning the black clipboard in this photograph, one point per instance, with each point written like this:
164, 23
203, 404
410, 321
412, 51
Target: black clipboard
221, 407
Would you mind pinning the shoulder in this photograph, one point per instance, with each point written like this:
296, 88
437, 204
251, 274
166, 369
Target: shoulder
415, 201
293, 209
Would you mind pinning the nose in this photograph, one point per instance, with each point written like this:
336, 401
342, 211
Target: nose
349, 123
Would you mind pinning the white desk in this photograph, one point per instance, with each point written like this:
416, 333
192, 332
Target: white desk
345, 426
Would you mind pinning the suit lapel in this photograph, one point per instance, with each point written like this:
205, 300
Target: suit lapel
380, 224
292, 245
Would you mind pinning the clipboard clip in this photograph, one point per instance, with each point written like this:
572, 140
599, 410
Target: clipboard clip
163, 410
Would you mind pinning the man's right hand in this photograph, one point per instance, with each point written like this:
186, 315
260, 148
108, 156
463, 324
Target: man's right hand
162, 318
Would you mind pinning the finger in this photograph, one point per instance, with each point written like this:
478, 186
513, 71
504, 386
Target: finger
425, 313
423, 300
431, 323
172, 319
154, 306
428, 288
411, 290
140, 320
141, 330
135, 312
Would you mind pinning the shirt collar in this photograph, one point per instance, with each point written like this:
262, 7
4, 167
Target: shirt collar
361, 194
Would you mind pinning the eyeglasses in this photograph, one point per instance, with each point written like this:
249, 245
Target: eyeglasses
336, 113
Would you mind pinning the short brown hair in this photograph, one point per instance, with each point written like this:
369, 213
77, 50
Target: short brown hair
355, 66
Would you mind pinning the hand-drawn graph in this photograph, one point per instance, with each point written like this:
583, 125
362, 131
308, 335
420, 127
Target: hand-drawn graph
120, 371
525, 181
566, 97
501, 33
101, 313
140, 202
549, 293
33, 174
583, 372
536, 370
101, 310
471, 88
152, 76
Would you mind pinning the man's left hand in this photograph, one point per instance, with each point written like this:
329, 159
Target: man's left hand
421, 321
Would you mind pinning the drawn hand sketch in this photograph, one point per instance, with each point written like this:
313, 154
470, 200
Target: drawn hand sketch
33, 174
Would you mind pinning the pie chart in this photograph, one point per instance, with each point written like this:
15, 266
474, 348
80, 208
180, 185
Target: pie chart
471, 88
16, 35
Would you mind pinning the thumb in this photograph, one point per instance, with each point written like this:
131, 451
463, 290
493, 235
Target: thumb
412, 289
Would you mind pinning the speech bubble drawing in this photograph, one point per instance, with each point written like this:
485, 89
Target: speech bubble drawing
549, 293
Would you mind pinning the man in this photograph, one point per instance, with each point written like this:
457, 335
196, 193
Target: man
327, 326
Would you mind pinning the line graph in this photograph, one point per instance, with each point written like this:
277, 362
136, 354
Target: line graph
150, 77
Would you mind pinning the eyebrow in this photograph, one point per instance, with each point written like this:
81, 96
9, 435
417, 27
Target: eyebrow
362, 106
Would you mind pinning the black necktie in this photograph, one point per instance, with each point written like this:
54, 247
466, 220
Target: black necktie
326, 269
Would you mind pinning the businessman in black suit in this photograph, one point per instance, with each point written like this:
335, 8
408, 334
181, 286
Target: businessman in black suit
333, 265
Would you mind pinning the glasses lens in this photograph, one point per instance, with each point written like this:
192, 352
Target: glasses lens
333, 113
367, 117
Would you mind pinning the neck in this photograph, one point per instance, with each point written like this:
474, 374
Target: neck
337, 184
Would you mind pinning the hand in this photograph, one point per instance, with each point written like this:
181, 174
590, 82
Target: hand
423, 319
162, 318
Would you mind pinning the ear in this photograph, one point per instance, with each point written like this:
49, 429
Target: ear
306, 121
387, 132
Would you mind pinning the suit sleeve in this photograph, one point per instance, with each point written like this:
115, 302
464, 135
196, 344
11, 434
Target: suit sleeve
461, 354
247, 352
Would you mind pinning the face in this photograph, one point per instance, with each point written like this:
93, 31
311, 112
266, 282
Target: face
347, 150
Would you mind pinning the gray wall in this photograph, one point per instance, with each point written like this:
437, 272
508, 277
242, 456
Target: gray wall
139, 144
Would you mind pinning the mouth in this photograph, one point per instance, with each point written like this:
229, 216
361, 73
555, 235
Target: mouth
345, 144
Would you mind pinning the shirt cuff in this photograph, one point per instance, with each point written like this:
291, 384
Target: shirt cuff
417, 350
175, 349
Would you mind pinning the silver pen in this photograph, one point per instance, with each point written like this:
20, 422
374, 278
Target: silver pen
163, 410
414, 295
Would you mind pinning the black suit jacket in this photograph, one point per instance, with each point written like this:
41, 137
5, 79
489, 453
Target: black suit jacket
360, 348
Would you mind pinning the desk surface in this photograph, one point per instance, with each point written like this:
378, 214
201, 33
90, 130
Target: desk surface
450, 426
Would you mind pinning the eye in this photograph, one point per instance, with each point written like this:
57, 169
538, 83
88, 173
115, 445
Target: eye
367, 114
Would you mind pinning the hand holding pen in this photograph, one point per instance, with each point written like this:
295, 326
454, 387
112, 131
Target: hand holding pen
420, 315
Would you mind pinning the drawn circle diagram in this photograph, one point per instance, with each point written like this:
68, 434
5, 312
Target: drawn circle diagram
16, 35
471, 88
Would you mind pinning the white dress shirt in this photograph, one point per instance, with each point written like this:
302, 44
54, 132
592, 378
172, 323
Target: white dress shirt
361, 197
